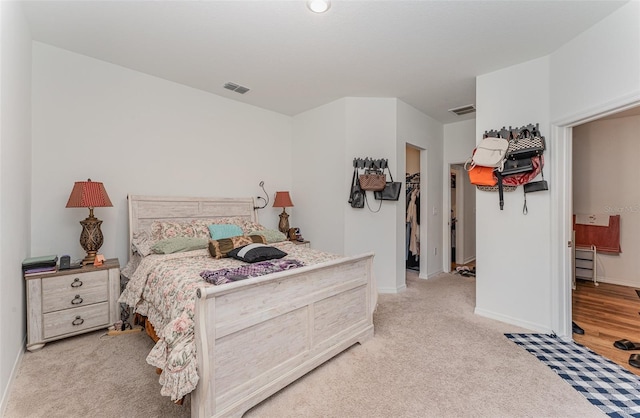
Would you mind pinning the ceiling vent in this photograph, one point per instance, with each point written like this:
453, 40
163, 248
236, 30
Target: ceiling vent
463, 110
236, 87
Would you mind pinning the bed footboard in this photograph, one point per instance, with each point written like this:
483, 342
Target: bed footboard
257, 336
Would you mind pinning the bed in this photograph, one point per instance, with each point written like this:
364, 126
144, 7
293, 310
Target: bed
240, 342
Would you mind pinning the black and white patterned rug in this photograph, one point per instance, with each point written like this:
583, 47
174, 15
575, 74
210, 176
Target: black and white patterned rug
610, 387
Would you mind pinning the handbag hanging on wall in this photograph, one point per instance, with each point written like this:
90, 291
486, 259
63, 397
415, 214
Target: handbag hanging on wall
373, 180
526, 145
356, 194
490, 152
482, 176
391, 190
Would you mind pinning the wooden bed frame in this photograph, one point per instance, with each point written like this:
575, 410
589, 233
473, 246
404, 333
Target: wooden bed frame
256, 336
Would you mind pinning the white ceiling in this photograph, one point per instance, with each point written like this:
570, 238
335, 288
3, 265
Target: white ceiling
426, 53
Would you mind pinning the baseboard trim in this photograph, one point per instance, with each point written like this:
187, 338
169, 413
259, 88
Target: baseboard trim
470, 259
432, 275
619, 282
513, 321
12, 377
398, 289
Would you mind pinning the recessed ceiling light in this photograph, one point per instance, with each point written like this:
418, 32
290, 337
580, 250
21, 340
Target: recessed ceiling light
318, 6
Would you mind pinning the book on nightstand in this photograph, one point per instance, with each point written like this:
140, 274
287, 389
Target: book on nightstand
39, 265
40, 271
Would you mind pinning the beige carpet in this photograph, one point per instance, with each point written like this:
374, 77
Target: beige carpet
430, 357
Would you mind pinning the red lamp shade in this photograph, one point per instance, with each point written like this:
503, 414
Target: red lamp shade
282, 200
88, 194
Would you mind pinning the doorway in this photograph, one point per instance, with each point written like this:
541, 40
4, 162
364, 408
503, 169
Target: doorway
461, 236
562, 210
605, 303
412, 218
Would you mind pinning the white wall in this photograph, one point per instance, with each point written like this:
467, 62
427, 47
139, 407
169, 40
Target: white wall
140, 135
371, 132
605, 181
459, 142
513, 257
596, 73
15, 184
320, 177
597, 70
601, 65
325, 142
424, 132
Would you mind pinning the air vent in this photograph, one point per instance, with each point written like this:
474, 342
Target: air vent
463, 110
236, 87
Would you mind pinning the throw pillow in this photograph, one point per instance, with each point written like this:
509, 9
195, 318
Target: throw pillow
254, 253
221, 247
178, 245
219, 231
271, 235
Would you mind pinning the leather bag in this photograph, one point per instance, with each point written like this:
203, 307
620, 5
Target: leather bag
356, 194
518, 179
482, 176
391, 190
490, 152
526, 145
522, 165
535, 186
373, 180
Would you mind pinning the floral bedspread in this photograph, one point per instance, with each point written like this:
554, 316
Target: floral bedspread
163, 288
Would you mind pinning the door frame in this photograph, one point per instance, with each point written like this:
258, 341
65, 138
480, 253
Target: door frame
561, 146
460, 227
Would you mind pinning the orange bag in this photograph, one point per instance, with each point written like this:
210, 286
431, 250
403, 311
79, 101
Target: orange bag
482, 176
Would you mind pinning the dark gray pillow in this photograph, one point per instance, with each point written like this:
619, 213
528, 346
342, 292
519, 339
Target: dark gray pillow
254, 253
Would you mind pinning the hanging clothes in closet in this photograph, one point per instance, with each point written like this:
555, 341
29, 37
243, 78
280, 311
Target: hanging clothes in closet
413, 221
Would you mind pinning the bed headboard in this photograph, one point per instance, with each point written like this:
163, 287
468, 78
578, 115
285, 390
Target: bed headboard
143, 210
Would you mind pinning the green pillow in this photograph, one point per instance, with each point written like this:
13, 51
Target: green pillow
179, 244
271, 235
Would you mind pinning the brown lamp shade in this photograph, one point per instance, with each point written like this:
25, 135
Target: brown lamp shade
282, 200
88, 194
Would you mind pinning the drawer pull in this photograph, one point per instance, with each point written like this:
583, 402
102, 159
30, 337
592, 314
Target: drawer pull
76, 282
77, 300
78, 321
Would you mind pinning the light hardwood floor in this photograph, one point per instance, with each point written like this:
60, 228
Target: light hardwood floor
607, 313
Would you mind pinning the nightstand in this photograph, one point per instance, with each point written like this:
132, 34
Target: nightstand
71, 302
304, 243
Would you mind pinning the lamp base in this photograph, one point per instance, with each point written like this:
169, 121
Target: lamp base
91, 237
283, 226
90, 258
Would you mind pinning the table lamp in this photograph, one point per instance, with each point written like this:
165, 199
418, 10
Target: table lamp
89, 194
283, 200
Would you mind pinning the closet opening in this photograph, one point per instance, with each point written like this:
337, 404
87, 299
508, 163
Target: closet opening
412, 218
461, 234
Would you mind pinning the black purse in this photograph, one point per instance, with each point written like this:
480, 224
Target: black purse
526, 145
391, 190
522, 165
356, 194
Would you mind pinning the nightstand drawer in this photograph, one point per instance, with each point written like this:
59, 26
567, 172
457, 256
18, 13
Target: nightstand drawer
74, 320
74, 290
